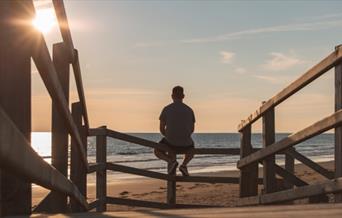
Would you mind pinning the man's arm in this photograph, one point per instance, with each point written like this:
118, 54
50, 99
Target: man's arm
162, 127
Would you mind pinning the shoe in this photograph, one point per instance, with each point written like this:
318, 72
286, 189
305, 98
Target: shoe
173, 167
184, 170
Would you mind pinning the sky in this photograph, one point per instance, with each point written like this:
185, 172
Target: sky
228, 55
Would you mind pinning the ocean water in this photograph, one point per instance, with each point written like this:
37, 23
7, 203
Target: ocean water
319, 148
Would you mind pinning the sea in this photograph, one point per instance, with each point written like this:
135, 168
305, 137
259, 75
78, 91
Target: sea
319, 148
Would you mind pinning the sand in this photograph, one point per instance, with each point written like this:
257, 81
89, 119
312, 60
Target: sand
187, 193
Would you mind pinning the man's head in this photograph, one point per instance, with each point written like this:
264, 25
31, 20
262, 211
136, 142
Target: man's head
177, 93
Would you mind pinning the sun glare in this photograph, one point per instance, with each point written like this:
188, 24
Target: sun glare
44, 20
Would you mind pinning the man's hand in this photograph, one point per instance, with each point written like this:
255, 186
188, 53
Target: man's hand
162, 127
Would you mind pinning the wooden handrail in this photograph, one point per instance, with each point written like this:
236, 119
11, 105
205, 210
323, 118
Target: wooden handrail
64, 27
18, 156
319, 69
295, 138
80, 90
48, 73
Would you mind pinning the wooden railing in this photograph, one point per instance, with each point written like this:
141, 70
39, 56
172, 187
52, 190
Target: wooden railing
102, 165
19, 42
248, 164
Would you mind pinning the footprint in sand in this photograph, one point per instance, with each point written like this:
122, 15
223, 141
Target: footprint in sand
124, 193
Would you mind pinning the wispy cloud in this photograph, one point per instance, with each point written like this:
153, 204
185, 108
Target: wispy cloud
308, 26
280, 61
270, 79
240, 70
227, 56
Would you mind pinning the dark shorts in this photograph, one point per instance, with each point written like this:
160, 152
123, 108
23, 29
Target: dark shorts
177, 149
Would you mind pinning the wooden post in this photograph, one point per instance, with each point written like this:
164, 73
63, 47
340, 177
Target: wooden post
15, 94
59, 132
249, 174
338, 130
101, 176
171, 189
289, 166
268, 133
78, 171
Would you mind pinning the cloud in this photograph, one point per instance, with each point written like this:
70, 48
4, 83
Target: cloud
309, 26
270, 79
227, 57
280, 61
240, 70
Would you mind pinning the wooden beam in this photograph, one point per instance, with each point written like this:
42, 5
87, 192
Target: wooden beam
97, 131
248, 181
48, 73
151, 204
15, 95
207, 179
171, 184
96, 167
316, 71
316, 167
338, 129
295, 138
327, 187
78, 174
268, 134
59, 134
64, 27
17, 156
136, 140
289, 177
80, 90
101, 175
139, 172
94, 204
289, 167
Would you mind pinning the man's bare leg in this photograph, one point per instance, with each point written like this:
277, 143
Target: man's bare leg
162, 155
188, 157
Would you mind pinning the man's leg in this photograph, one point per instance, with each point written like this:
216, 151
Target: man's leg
162, 155
188, 157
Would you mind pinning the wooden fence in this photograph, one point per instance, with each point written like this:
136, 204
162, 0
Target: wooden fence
249, 162
20, 164
102, 166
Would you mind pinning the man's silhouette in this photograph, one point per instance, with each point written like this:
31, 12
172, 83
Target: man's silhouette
177, 121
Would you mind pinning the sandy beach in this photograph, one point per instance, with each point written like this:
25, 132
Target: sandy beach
187, 193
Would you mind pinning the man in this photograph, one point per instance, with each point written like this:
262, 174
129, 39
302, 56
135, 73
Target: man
176, 125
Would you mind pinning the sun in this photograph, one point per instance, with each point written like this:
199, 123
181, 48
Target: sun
44, 20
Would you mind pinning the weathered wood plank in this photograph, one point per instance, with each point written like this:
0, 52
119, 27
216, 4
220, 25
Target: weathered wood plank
15, 94
59, 134
289, 167
78, 174
151, 204
268, 135
136, 140
94, 167
49, 76
94, 204
313, 130
312, 74
20, 158
171, 185
97, 131
327, 187
135, 171
248, 181
80, 90
64, 27
338, 129
101, 175
316, 167
289, 177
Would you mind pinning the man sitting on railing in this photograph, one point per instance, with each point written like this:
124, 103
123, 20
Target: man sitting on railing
176, 125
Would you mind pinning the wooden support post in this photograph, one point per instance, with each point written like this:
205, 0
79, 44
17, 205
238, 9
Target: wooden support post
59, 131
78, 171
15, 94
289, 166
101, 176
171, 189
249, 174
338, 130
268, 133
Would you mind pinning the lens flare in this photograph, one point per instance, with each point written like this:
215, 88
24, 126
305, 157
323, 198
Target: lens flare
44, 20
